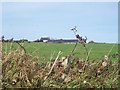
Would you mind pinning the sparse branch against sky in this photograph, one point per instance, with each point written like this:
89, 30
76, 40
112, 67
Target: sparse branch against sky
96, 20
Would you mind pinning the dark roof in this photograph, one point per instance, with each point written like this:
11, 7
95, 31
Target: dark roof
62, 40
45, 38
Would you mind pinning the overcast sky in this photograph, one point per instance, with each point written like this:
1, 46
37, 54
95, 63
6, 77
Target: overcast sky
98, 21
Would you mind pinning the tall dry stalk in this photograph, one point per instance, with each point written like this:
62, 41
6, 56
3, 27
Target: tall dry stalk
53, 65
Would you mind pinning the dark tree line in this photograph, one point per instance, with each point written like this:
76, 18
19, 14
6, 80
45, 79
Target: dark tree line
12, 40
3, 39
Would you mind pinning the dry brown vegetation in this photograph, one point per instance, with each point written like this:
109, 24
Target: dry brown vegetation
20, 69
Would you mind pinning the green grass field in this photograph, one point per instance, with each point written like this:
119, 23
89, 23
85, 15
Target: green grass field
47, 50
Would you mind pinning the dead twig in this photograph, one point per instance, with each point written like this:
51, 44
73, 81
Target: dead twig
81, 40
21, 46
74, 31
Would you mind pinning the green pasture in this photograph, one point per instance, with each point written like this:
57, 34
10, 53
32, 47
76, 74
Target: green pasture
49, 51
